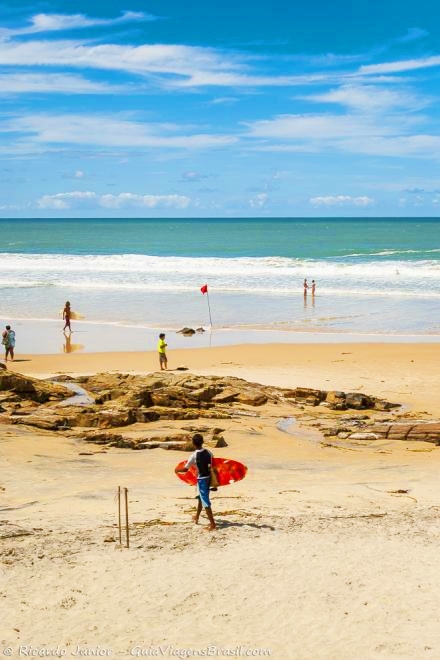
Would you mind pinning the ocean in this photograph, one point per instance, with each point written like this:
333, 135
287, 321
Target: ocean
374, 276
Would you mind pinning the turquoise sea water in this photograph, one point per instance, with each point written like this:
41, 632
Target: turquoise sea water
373, 276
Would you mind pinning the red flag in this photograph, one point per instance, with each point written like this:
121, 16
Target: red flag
204, 288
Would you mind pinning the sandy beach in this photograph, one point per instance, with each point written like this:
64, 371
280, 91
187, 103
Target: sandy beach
262, 188
321, 552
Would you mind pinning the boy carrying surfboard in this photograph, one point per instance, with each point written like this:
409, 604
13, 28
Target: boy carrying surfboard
202, 459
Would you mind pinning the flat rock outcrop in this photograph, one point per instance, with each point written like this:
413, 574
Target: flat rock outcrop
29, 388
364, 430
336, 400
145, 439
109, 408
426, 431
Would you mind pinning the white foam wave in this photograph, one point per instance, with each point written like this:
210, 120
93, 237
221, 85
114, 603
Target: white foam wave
270, 275
389, 253
134, 263
273, 291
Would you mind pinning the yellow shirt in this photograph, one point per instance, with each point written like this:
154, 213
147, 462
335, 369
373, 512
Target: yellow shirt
161, 345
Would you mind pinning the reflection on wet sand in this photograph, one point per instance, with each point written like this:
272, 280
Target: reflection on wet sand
68, 346
305, 301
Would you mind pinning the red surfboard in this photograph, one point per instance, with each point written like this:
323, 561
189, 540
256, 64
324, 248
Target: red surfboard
228, 471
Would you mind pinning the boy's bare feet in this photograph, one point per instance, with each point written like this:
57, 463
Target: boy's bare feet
210, 528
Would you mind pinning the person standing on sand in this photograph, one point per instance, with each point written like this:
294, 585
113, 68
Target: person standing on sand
306, 286
8, 340
202, 459
67, 313
161, 347
313, 287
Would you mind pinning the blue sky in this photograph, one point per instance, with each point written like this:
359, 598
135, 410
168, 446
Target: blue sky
174, 109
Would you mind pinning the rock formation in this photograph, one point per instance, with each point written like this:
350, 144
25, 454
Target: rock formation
187, 332
117, 409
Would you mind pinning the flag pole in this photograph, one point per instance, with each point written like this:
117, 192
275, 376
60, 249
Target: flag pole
204, 289
209, 309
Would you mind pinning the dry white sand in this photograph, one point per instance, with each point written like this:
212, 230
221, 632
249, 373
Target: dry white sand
317, 554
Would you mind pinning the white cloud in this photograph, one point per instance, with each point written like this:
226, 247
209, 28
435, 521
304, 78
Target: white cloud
400, 66
69, 200
422, 146
341, 200
173, 65
416, 146
156, 58
148, 201
259, 201
380, 133
79, 174
369, 98
65, 200
54, 83
12, 207
387, 135
307, 127
190, 176
109, 131
223, 100
59, 22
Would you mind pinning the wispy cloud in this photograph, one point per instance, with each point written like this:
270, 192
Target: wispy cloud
259, 201
13, 207
78, 174
341, 200
412, 34
108, 131
75, 199
400, 66
308, 127
59, 22
173, 65
53, 83
370, 98
192, 177
224, 100
377, 130
148, 201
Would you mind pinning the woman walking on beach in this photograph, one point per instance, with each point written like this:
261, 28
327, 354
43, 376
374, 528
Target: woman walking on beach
8, 340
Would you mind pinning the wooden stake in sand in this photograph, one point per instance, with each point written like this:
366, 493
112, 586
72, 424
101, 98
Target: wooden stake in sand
119, 515
127, 533
126, 519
